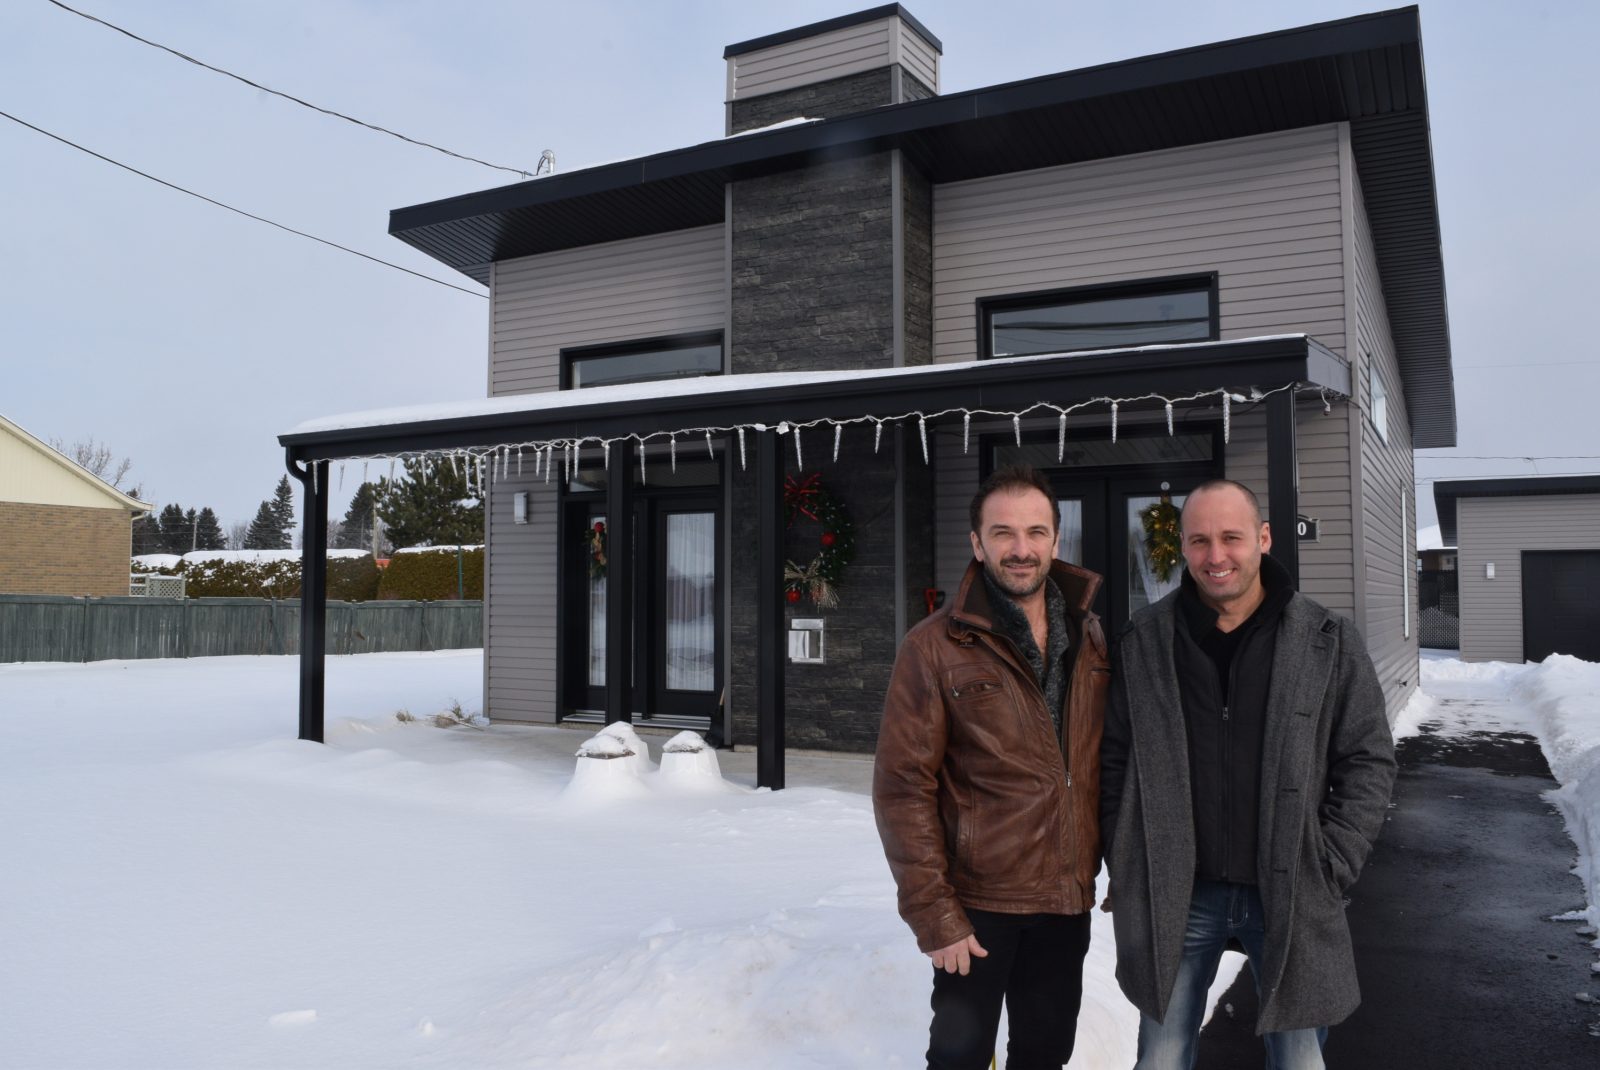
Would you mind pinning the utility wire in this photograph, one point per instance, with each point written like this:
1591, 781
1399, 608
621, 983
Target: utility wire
1530, 364
286, 96
1511, 456
237, 211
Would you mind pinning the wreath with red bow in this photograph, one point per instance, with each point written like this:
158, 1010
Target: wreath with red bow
594, 544
807, 501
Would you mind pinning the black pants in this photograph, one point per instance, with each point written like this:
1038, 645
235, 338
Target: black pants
1035, 966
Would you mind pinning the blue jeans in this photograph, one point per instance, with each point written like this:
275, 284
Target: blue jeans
1217, 911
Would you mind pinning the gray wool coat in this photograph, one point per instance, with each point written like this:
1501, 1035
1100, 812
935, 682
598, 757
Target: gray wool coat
1327, 766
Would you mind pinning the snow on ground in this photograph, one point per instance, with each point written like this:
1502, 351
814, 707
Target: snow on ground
185, 885
1558, 702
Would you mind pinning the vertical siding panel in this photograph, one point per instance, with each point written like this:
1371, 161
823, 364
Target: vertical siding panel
663, 284
1498, 530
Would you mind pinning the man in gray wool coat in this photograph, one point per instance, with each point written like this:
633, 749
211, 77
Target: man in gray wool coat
1245, 772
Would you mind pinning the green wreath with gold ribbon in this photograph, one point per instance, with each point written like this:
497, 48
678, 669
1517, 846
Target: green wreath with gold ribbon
808, 499
1162, 543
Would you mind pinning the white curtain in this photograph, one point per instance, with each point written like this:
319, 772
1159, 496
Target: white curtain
691, 594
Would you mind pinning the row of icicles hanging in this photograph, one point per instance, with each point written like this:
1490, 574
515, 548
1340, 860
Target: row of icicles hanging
497, 462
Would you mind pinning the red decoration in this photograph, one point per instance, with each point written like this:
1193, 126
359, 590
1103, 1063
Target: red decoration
800, 496
829, 538
792, 595
599, 527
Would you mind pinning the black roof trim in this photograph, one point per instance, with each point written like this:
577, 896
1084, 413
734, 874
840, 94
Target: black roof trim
1446, 492
1264, 363
800, 33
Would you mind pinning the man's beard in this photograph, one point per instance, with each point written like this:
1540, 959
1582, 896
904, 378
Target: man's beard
1009, 584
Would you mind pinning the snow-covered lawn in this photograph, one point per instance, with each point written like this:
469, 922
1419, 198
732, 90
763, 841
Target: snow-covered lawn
186, 885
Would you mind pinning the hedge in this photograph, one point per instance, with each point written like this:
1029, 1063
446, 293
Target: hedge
430, 575
350, 579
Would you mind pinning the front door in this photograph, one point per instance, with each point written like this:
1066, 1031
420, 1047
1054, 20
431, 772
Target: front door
1104, 528
676, 616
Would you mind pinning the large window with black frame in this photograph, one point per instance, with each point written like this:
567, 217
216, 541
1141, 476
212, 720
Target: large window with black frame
642, 360
1160, 311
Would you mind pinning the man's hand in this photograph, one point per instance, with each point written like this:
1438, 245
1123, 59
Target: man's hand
957, 958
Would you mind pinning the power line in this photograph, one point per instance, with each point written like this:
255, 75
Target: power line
1515, 457
237, 211
289, 97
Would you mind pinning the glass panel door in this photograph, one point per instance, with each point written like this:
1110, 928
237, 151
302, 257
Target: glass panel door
689, 605
1150, 580
595, 570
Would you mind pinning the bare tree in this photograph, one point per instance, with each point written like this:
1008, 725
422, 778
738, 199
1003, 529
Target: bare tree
237, 533
97, 457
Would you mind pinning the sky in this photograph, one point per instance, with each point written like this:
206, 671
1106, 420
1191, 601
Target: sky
186, 337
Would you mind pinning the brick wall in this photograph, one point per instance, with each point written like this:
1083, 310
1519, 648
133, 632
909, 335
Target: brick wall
63, 549
820, 100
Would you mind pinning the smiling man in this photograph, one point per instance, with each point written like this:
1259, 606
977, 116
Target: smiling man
986, 785
1246, 765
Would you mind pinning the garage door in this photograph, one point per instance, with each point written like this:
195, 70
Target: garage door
1561, 604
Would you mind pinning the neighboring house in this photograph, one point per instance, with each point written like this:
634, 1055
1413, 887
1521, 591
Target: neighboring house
1255, 217
1528, 565
63, 530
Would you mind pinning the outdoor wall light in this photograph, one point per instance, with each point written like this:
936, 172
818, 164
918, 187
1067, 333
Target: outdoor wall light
519, 507
1488, 571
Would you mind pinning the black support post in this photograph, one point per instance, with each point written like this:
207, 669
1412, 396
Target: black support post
1283, 483
619, 582
313, 596
770, 645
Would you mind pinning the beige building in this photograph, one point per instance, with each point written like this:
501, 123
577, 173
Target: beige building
63, 530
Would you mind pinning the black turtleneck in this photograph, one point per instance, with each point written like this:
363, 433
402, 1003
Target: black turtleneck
1223, 681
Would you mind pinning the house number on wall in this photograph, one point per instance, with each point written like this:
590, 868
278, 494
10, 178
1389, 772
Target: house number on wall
1308, 529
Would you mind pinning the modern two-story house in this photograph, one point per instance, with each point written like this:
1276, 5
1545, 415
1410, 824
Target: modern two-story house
740, 394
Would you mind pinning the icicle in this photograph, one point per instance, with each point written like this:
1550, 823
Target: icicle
922, 430
1113, 421
605, 454
483, 487
1227, 415
710, 449
519, 462
549, 461
877, 435
1016, 427
741, 449
314, 467
642, 479
1061, 437
566, 463
966, 430
341, 476
454, 467
423, 465
672, 449
1169, 419
799, 456
364, 471
391, 469
838, 432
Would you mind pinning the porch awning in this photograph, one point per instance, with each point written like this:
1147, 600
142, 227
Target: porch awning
718, 403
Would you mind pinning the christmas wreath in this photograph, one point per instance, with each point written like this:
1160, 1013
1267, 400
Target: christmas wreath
809, 499
1161, 540
594, 544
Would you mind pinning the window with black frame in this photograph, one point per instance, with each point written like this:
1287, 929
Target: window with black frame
649, 360
1157, 311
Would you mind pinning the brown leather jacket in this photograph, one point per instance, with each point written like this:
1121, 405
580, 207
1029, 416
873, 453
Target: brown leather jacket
978, 802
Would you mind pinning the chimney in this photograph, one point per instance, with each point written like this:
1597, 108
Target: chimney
853, 63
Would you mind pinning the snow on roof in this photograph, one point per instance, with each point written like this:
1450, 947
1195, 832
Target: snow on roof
555, 400
1428, 538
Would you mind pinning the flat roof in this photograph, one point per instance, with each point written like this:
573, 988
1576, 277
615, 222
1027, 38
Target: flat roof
800, 33
1366, 71
1446, 492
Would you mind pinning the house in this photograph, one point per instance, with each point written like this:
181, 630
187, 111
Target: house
717, 373
63, 530
1527, 564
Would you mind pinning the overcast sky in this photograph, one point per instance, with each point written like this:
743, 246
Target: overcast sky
187, 338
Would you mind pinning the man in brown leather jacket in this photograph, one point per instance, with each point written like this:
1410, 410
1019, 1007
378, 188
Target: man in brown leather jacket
987, 780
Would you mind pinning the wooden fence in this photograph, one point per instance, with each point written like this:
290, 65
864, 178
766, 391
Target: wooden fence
54, 628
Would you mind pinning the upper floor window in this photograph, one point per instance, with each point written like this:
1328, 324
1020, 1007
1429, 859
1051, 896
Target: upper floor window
642, 361
1380, 400
1148, 312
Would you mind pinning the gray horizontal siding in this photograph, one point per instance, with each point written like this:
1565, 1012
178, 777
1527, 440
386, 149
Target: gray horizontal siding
1388, 492
835, 54
520, 612
1498, 530
1263, 212
916, 55
662, 284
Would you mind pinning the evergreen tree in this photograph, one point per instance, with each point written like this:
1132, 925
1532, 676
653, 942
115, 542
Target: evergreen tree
265, 532
283, 511
355, 530
146, 535
208, 531
430, 512
176, 531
